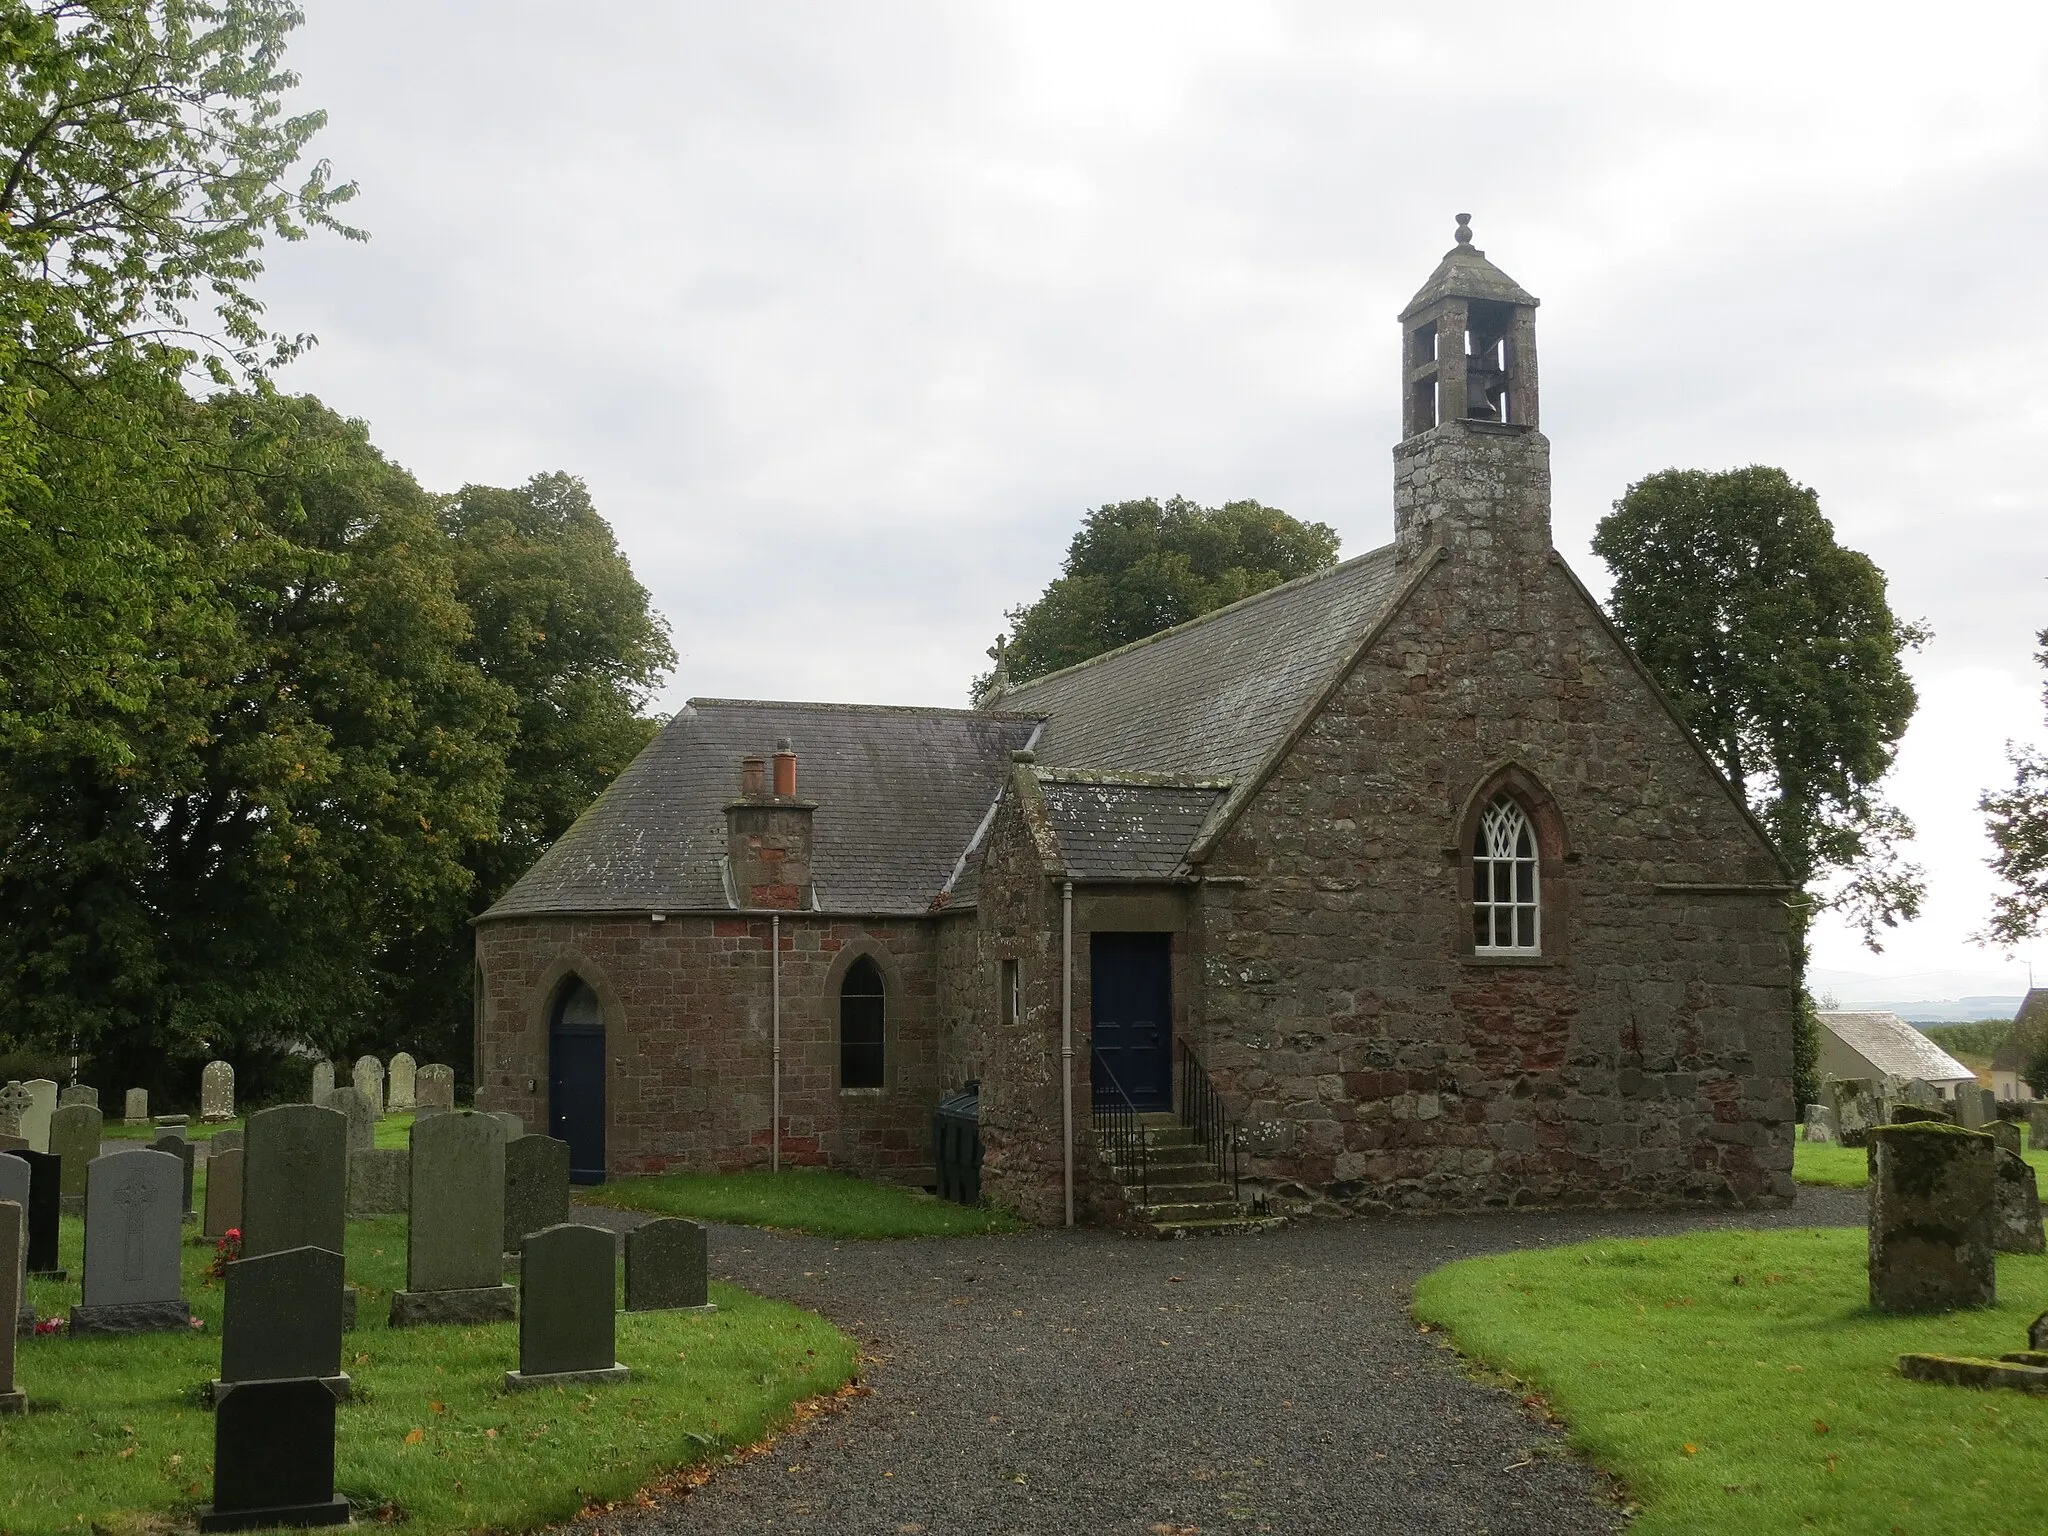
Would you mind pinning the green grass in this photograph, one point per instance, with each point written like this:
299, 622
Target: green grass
1738, 1382
118, 1438
1831, 1163
803, 1200
392, 1130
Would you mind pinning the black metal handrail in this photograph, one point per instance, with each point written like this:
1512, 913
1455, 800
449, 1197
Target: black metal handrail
1117, 1127
1203, 1111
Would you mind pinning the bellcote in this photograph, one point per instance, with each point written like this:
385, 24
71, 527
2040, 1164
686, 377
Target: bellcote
1468, 344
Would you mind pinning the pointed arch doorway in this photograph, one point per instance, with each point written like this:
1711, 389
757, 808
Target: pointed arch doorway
576, 1079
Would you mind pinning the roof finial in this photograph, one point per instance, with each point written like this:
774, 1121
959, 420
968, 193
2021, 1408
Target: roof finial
1464, 236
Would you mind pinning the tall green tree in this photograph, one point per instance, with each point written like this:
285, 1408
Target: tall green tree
2017, 820
1137, 567
1780, 649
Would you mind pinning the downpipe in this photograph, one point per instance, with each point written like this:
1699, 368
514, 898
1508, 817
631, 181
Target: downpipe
1067, 1042
775, 1042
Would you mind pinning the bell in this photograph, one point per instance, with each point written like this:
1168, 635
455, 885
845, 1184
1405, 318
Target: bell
1484, 388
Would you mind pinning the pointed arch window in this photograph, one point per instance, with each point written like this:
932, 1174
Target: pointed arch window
1507, 904
862, 1015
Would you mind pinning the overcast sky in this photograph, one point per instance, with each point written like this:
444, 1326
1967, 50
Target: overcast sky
847, 313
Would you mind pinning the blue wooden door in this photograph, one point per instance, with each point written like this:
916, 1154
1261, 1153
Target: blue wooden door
1132, 995
576, 1081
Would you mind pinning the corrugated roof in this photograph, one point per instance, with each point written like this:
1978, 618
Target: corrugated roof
899, 794
1125, 831
1211, 698
1895, 1047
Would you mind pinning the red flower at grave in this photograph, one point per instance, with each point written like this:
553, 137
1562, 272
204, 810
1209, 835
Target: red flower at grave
225, 1252
50, 1325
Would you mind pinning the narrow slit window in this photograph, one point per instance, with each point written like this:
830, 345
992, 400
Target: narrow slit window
1012, 992
861, 1018
1506, 900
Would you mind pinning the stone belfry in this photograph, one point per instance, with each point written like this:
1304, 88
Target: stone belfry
1471, 471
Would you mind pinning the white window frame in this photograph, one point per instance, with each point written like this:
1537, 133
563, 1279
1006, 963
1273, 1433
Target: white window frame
1504, 832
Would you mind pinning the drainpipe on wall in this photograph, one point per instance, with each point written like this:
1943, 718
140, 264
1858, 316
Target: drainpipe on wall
775, 1036
1067, 1041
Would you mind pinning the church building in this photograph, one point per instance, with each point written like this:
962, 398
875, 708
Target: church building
1399, 887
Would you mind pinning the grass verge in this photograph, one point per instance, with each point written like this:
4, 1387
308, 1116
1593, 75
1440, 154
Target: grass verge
119, 1439
1831, 1163
1738, 1382
810, 1200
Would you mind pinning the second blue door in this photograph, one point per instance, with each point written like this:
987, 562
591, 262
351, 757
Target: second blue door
1132, 996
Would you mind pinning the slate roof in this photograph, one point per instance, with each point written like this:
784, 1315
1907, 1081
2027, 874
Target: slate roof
1126, 831
1211, 698
1467, 274
900, 792
1895, 1047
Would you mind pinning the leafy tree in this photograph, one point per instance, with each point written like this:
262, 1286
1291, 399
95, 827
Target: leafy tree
2017, 820
1780, 649
1137, 567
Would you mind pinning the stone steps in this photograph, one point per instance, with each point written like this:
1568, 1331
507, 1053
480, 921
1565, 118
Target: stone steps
1182, 1195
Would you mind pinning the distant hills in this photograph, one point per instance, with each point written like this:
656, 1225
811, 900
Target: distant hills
1931, 997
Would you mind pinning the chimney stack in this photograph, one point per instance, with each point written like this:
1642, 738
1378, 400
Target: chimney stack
768, 837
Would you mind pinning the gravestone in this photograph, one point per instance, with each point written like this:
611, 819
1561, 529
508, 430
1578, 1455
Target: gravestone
668, 1267
434, 1088
2037, 1333
379, 1181
35, 1121
536, 1186
1969, 1107
132, 1218
283, 1319
2017, 1219
323, 1082
362, 1119
369, 1082
399, 1089
224, 1141
455, 1224
513, 1125
13, 1143
568, 1331
1933, 1193
1820, 1123
1921, 1092
45, 1201
14, 1190
171, 1125
2037, 1125
216, 1092
2006, 1134
79, 1093
1903, 1113
223, 1194
273, 1457
294, 1180
1857, 1107
15, 1103
75, 1142
12, 1241
175, 1145
135, 1107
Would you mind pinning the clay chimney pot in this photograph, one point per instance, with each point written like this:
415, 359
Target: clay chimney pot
753, 778
785, 771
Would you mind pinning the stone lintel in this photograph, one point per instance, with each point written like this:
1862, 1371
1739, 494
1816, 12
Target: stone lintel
131, 1317
482, 1304
516, 1381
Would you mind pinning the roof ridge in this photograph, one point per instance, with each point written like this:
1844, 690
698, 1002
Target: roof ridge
863, 709
1112, 778
1201, 619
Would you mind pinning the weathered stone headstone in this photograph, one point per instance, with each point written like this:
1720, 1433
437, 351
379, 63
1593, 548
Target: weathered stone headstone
175, 1145
1857, 1107
217, 1092
455, 1224
132, 1218
434, 1088
1820, 1123
379, 1181
668, 1267
15, 1103
1920, 1091
79, 1093
223, 1194
74, 1142
2006, 1134
2017, 1226
1969, 1107
283, 1318
135, 1107
294, 1180
369, 1082
12, 1242
44, 1205
273, 1457
536, 1186
14, 1190
323, 1082
223, 1141
174, 1125
362, 1119
1903, 1113
2037, 1125
1932, 1202
2037, 1333
35, 1122
514, 1126
399, 1089
568, 1331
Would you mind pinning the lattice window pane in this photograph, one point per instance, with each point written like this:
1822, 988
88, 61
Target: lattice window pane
1506, 893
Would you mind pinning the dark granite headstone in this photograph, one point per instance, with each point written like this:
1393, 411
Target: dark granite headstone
568, 1330
536, 1186
223, 1194
132, 1277
44, 1206
181, 1148
273, 1458
667, 1266
455, 1226
283, 1317
294, 1180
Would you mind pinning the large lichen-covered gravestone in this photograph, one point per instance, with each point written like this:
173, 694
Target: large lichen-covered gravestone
351, 1103
568, 1331
1932, 1210
294, 1180
536, 1186
74, 1142
1820, 1123
217, 1092
434, 1088
668, 1267
15, 1103
2018, 1225
135, 1107
399, 1090
1857, 1107
132, 1219
283, 1318
223, 1194
369, 1081
13, 1240
323, 1083
455, 1224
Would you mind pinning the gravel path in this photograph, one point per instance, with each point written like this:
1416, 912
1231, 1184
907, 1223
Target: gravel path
1080, 1382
